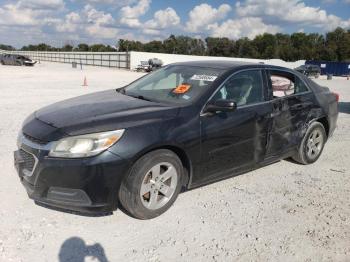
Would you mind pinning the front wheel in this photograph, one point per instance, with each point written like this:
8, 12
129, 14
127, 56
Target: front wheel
312, 145
152, 185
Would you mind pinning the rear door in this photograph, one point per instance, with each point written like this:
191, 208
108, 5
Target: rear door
235, 141
291, 102
7, 60
12, 59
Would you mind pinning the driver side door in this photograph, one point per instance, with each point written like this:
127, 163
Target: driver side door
232, 142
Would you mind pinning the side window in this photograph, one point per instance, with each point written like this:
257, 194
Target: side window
300, 86
286, 83
244, 88
282, 83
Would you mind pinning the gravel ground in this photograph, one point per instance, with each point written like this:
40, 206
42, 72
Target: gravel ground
283, 212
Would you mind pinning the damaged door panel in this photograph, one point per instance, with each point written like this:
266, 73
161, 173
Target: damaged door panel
292, 102
233, 141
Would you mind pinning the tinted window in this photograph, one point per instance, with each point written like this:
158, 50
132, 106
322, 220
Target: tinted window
300, 86
244, 88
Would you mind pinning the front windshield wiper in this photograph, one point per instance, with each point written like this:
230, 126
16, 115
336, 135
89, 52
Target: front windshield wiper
122, 91
139, 97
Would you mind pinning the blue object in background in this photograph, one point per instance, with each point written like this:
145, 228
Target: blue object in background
331, 68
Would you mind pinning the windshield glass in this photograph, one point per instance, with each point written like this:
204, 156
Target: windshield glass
174, 84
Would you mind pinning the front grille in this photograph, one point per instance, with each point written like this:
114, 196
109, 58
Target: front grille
35, 140
28, 160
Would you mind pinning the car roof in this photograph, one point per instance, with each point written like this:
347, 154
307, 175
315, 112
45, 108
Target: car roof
227, 65
217, 64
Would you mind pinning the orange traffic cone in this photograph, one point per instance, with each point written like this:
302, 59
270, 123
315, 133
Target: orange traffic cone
85, 82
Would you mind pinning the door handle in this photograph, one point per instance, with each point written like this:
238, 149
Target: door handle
274, 114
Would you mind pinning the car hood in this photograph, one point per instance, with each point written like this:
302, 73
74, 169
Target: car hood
102, 111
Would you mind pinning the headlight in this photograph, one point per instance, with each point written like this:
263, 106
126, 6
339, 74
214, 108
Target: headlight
85, 145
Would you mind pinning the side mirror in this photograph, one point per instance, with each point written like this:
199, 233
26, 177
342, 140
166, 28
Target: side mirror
221, 105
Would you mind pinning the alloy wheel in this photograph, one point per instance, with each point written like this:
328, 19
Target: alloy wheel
314, 144
158, 185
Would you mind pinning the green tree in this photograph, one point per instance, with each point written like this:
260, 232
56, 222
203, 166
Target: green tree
338, 42
127, 45
7, 47
67, 48
333, 46
246, 48
154, 47
170, 45
101, 48
82, 48
284, 49
266, 46
220, 46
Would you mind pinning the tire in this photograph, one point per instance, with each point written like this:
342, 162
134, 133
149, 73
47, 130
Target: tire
153, 184
311, 147
2, 62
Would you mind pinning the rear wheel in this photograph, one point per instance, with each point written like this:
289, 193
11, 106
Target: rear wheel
312, 145
153, 184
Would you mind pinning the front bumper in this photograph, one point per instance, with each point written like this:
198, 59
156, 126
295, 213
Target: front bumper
86, 185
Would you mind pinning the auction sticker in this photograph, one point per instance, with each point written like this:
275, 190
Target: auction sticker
204, 78
181, 89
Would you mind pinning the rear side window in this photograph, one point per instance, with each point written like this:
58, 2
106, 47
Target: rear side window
285, 83
244, 88
300, 86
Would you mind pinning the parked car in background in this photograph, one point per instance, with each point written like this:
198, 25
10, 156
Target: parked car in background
17, 60
150, 65
309, 70
180, 127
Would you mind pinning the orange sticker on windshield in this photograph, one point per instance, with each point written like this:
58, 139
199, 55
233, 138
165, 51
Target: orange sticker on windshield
181, 89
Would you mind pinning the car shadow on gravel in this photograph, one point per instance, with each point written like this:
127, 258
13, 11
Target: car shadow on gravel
75, 249
344, 107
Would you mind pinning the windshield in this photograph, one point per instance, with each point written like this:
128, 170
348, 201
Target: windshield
174, 84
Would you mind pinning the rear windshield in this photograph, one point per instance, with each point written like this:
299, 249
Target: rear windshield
174, 84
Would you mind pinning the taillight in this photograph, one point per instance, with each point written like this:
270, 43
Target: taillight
336, 96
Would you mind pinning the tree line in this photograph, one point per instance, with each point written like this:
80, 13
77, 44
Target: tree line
333, 46
69, 48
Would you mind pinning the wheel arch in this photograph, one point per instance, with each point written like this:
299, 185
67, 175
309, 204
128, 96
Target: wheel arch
181, 153
324, 121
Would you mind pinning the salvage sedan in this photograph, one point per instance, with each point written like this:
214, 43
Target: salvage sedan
181, 127
17, 60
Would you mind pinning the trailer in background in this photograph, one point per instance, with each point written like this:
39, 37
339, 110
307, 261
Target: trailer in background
332, 68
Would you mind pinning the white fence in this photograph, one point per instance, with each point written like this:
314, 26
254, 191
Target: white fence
132, 59
105, 59
137, 57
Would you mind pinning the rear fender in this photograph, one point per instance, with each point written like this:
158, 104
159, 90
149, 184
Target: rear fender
314, 115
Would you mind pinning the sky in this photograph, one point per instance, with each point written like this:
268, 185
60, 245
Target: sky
58, 22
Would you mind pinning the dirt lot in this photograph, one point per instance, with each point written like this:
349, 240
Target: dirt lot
283, 212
